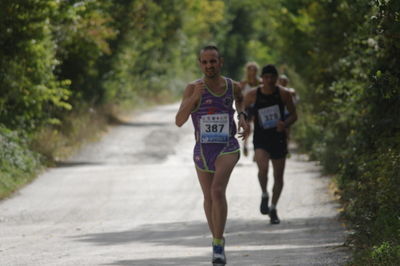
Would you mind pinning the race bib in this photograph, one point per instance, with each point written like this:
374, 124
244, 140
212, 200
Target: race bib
214, 128
269, 116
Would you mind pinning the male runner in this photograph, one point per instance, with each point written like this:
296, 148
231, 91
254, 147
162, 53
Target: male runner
269, 101
209, 102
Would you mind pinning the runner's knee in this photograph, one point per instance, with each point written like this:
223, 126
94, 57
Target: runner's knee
217, 193
207, 198
278, 182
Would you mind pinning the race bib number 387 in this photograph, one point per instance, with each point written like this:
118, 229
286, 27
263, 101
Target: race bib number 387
269, 116
214, 128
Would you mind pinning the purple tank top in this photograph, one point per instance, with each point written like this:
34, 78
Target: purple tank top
211, 103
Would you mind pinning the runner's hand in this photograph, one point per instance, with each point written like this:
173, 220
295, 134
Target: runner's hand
280, 127
245, 126
199, 89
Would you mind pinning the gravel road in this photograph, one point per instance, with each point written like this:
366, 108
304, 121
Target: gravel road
133, 198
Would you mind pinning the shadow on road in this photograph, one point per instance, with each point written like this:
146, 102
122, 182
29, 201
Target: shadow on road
62, 164
289, 243
144, 124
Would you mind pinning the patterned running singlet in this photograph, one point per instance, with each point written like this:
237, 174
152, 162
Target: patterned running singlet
215, 128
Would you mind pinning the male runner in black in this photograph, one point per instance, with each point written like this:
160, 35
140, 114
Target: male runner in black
268, 103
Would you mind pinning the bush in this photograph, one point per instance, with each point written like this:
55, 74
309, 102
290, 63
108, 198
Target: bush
18, 164
31, 93
386, 254
351, 110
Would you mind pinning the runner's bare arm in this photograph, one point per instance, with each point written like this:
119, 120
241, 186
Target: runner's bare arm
190, 99
288, 102
239, 104
250, 98
242, 84
237, 93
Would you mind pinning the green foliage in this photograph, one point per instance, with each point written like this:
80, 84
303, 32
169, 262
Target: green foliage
29, 91
347, 54
239, 28
157, 45
385, 254
60, 54
145, 52
247, 34
82, 31
17, 163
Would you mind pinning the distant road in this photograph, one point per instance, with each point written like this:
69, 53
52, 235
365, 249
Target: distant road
133, 199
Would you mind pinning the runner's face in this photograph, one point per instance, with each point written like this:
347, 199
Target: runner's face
252, 71
269, 79
210, 63
283, 82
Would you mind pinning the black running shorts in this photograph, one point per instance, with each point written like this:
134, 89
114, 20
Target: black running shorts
274, 143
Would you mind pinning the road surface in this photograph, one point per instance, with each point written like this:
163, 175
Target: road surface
133, 199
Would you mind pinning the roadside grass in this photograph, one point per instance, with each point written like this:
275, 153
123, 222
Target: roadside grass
58, 142
386, 254
18, 163
372, 201
23, 156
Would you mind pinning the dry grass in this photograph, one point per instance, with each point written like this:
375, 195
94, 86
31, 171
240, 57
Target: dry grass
78, 127
87, 124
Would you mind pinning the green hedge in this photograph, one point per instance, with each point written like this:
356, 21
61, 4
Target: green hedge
18, 163
348, 56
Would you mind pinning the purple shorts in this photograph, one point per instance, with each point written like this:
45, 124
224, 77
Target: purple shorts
205, 155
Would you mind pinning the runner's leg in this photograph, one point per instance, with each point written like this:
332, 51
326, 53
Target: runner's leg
205, 179
223, 169
262, 159
279, 168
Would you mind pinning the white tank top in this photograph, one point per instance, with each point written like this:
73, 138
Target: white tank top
247, 88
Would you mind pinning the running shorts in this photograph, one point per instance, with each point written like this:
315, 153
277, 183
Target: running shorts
205, 155
275, 144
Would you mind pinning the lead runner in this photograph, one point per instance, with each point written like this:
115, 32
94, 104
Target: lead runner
209, 102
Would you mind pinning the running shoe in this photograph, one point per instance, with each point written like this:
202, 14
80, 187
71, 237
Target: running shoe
274, 217
264, 205
218, 257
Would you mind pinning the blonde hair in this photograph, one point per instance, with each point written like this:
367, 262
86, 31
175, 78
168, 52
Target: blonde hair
246, 72
251, 64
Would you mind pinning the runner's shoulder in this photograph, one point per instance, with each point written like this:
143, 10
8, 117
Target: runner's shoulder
242, 83
237, 85
190, 86
193, 83
291, 90
252, 92
250, 96
284, 92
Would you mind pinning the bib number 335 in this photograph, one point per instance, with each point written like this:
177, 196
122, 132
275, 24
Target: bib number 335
214, 128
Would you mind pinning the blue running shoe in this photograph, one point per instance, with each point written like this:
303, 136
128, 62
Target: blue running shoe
218, 258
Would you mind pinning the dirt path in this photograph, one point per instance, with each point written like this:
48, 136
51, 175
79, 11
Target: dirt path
133, 199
